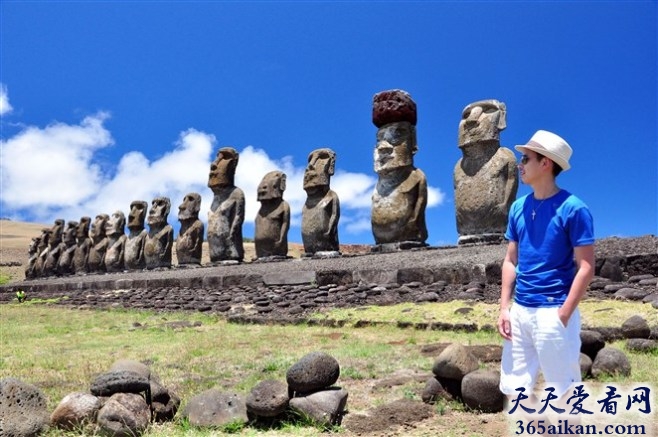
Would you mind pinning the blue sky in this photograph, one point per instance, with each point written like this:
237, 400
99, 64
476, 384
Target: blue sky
107, 102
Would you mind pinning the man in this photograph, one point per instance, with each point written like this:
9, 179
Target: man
549, 262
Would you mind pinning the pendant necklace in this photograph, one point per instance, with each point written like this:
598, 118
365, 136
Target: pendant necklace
534, 210
534, 213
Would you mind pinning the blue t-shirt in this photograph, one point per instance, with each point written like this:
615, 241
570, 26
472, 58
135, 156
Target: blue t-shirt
546, 266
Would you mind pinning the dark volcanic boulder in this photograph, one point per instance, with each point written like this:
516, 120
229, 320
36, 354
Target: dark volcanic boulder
591, 342
215, 408
124, 414
268, 398
314, 371
611, 361
480, 391
23, 409
119, 381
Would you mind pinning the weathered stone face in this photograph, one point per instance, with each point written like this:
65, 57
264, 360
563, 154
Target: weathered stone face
56, 233
137, 215
116, 224
321, 211
320, 168
486, 177
396, 146
272, 186
83, 228
159, 212
97, 231
222, 169
189, 209
273, 219
482, 121
70, 233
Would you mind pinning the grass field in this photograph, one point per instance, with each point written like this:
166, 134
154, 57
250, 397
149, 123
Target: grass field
61, 351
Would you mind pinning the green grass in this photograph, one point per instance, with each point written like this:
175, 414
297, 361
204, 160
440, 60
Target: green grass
61, 350
4, 279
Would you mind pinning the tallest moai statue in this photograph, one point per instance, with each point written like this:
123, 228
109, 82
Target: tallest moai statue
400, 197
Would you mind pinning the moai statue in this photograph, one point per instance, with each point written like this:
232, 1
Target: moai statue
116, 242
400, 197
99, 242
133, 256
321, 210
486, 177
273, 219
160, 238
33, 255
190, 238
226, 213
67, 249
83, 244
52, 257
42, 249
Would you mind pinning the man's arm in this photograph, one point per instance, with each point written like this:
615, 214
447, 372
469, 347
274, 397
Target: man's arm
585, 265
507, 285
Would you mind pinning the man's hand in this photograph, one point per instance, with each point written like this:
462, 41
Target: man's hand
504, 324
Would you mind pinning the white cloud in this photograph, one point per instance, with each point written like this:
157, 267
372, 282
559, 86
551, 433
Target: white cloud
53, 166
52, 172
5, 107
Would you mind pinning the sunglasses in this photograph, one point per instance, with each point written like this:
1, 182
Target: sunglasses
524, 159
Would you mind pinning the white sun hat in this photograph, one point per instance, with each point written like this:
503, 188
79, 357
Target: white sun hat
551, 146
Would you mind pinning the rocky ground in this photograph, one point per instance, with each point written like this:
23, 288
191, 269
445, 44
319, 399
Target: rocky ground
401, 417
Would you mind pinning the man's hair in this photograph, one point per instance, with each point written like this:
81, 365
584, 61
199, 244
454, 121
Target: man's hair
556, 168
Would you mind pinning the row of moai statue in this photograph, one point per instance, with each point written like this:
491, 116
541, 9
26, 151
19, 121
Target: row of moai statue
485, 185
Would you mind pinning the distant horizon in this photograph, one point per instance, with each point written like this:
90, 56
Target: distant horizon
117, 101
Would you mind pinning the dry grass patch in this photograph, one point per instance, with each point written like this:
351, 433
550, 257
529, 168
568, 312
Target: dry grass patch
593, 313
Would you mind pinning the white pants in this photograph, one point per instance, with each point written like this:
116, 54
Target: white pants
540, 342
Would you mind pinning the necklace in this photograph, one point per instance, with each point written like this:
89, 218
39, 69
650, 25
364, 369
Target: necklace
534, 210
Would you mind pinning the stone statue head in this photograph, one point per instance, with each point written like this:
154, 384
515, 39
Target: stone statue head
160, 207
70, 233
396, 147
56, 233
272, 186
115, 224
321, 166
44, 239
137, 214
34, 246
394, 113
189, 209
481, 122
222, 169
98, 226
83, 228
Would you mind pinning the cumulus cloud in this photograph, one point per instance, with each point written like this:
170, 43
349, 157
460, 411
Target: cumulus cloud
53, 172
5, 107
